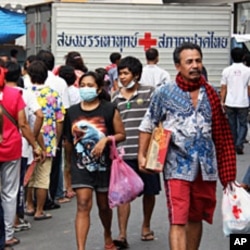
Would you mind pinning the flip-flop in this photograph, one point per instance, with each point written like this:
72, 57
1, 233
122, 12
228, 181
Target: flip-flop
121, 243
8, 248
148, 236
63, 200
29, 212
43, 216
110, 246
12, 242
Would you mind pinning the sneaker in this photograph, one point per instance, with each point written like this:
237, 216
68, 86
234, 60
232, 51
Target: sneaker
23, 225
239, 151
51, 205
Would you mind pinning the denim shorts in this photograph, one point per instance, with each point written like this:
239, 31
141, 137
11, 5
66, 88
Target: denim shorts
83, 178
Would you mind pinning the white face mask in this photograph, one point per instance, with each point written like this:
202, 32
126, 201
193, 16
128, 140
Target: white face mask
130, 85
88, 94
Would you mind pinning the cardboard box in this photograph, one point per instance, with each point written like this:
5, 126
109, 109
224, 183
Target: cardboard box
157, 149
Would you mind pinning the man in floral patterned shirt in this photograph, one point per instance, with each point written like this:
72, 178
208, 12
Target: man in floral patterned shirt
201, 148
53, 111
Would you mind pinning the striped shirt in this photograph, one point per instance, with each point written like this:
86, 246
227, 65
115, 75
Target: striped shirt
132, 112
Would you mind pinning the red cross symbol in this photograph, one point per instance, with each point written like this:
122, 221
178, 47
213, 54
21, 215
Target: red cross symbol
44, 33
147, 41
236, 212
32, 34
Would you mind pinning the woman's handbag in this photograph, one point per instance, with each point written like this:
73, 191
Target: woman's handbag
125, 184
236, 210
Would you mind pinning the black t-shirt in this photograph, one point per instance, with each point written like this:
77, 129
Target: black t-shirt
84, 129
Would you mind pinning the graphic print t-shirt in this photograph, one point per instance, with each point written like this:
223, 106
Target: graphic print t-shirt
84, 129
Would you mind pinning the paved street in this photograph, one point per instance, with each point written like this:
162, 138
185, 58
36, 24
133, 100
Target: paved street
58, 233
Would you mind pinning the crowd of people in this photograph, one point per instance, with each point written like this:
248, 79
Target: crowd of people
55, 128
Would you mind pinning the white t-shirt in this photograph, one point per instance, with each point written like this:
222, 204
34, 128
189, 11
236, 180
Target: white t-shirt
31, 107
154, 76
74, 95
237, 79
59, 85
26, 81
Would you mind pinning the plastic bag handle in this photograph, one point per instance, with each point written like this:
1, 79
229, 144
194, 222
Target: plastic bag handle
231, 186
113, 150
112, 140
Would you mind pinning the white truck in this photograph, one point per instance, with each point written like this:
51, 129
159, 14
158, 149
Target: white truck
97, 29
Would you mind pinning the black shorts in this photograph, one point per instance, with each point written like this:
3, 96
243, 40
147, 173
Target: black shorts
152, 184
97, 180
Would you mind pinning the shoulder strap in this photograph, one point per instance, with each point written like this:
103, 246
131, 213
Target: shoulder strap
10, 117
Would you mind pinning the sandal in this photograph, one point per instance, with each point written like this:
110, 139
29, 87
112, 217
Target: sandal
63, 200
110, 247
12, 242
148, 236
43, 216
121, 243
29, 212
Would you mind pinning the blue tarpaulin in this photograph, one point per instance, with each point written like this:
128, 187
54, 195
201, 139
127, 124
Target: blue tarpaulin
12, 25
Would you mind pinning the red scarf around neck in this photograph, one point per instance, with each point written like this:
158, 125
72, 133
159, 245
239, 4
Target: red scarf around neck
221, 133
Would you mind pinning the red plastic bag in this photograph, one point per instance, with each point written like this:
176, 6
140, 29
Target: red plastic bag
29, 173
125, 184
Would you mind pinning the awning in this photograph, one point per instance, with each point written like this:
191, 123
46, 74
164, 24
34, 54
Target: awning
241, 38
12, 25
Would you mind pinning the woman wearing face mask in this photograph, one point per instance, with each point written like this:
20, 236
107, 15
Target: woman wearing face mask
86, 130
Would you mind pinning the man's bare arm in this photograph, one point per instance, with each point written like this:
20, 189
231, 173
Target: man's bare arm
144, 139
38, 122
25, 128
59, 130
223, 93
27, 134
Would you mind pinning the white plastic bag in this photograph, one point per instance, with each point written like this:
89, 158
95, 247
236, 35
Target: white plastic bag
236, 210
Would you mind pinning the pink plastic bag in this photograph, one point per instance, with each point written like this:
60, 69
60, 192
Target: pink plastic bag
125, 184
